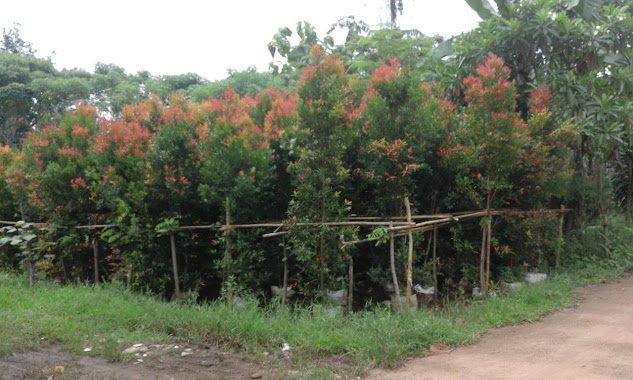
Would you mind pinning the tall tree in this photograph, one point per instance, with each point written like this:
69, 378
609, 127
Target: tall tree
13, 43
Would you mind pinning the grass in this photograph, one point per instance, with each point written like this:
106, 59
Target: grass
108, 319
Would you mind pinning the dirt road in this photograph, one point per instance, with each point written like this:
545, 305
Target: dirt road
592, 341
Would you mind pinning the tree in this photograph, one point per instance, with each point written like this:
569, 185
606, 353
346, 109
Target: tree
496, 156
326, 100
13, 43
574, 49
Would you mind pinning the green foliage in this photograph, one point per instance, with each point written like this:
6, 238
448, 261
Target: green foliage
23, 237
167, 226
377, 117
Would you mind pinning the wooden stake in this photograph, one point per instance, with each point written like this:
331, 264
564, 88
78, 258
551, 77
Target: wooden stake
174, 262
409, 267
95, 252
350, 291
488, 248
435, 263
559, 246
482, 260
392, 258
284, 294
95, 256
227, 256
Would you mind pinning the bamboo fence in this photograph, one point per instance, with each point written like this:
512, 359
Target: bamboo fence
397, 226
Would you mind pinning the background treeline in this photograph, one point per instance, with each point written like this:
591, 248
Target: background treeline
531, 110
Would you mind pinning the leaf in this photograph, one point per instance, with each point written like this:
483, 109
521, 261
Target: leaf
504, 7
272, 49
573, 4
443, 49
28, 237
483, 8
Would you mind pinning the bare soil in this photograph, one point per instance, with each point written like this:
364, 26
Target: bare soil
159, 363
592, 341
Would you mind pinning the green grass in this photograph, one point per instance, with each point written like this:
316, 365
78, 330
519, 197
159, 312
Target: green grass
109, 318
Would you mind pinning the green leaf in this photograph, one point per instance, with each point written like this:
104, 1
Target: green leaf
28, 237
484, 9
573, 4
443, 49
504, 7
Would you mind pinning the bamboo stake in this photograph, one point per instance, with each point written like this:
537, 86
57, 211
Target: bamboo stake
174, 262
95, 257
392, 259
350, 291
95, 253
285, 282
409, 267
482, 261
227, 257
435, 263
488, 246
559, 245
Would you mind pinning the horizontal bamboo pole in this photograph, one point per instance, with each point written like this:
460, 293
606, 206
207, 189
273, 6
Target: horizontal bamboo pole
273, 234
330, 224
352, 221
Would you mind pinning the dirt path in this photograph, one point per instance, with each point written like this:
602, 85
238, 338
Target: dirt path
592, 341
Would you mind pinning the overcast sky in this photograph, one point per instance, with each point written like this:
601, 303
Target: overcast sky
202, 37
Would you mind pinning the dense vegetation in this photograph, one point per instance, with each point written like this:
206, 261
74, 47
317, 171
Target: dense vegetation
529, 111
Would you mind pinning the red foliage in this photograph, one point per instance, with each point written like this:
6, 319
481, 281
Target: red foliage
77, 183
540, 100
80, 131
283, 105
123, 138
490, 88
387, 72
69, 151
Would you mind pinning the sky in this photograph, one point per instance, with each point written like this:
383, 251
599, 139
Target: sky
202, 37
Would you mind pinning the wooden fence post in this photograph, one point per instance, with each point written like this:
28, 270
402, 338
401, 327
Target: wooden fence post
95, 256
559, 246
227, 256
350, 291
435, 263
174, 262
409, 270
394, 276
95, 251
284, 291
